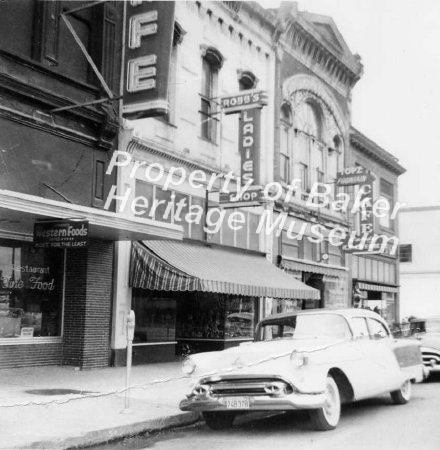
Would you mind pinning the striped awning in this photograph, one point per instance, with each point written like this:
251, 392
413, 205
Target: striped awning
181, 266
294, 265
376, 287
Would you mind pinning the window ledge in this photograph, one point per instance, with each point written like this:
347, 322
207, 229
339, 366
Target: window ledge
144, 344
31, 340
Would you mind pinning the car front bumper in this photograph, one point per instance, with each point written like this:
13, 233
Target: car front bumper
256, 403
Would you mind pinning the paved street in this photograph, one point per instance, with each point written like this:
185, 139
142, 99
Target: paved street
368, 425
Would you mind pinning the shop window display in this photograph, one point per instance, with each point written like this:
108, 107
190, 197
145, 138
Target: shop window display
215, 316
31, 284
155, 317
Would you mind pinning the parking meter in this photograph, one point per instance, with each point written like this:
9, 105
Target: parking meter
130, 325
130, 336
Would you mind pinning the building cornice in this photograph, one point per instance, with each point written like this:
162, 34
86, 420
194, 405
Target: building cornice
171, 154
410, 209
365, 145
300, 38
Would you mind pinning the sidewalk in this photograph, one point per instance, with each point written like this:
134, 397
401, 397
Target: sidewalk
87, 420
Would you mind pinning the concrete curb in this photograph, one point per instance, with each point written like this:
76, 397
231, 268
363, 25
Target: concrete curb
110, 434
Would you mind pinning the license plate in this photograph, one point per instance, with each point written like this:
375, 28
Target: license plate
236, 402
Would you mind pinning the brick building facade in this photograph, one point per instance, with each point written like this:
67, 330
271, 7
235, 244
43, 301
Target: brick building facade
58, 126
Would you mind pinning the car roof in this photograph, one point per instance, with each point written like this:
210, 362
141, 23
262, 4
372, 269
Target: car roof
347, 312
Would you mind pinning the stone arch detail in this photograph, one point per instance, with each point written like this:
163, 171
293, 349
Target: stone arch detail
301, 88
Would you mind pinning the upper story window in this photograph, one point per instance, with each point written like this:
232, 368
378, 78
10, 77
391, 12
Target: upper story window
285, 138
247, 80
212, 61
308, 150
405, 253
308, 120
386, 193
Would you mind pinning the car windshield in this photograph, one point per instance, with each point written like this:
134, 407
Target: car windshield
305, 326
432, 325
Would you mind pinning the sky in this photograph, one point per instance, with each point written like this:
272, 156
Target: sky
397, 101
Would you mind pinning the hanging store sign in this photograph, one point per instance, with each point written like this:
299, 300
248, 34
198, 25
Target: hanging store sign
149, 38
366, 219
249, 145
253, 196
353, 175
65, 234
248, 99
248, 103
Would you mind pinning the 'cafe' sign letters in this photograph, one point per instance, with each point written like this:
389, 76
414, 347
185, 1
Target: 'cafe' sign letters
150, 28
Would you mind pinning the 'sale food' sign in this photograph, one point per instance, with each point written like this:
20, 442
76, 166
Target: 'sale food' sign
149, 38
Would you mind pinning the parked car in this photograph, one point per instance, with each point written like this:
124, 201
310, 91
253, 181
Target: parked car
427, 331
313, 360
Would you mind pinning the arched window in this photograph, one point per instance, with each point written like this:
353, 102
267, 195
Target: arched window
246, 80
285, 131
308, 149
308, 119
212, 61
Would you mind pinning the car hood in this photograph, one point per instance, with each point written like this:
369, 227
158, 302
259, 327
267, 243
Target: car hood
430, 340
257, 356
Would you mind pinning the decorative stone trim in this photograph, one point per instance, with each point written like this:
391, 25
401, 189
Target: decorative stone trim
301, 88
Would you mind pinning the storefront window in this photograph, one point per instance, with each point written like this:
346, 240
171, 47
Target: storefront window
240, 317
31, 289
155, 317
214, 316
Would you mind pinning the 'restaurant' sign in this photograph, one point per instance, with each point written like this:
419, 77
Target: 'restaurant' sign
150, 28
243, 100
353, 175
65, 234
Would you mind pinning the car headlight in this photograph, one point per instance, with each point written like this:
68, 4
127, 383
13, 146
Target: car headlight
299, 358
188, 366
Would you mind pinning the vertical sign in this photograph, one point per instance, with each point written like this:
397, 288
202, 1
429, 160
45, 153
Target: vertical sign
248, 103
366, 222
366, 211
249, 145
149, 38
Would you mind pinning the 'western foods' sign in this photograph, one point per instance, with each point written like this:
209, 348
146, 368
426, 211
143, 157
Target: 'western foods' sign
66, 234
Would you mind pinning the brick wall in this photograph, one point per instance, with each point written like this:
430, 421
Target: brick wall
87, 307
30, 355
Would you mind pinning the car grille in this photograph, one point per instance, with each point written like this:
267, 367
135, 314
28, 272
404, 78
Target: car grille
246, 386
429, 356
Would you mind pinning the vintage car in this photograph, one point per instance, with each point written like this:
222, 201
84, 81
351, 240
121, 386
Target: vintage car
312, 360
427, 331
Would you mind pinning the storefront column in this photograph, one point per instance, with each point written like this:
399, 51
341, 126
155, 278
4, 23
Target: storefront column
87, 305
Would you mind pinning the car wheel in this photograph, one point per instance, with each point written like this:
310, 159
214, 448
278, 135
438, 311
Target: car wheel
218, 420
402, 395
327, 417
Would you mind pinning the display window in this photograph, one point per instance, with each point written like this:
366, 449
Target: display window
216, 316
155, 317
31, 290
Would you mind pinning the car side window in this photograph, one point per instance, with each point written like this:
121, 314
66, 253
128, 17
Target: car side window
377, 329
359, 327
